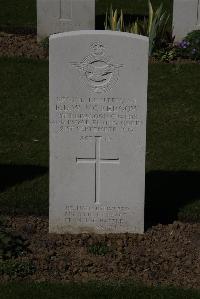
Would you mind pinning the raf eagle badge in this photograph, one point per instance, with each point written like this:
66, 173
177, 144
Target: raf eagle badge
97, 70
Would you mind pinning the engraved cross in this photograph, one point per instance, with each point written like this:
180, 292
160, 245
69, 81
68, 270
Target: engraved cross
65, 10
97, 161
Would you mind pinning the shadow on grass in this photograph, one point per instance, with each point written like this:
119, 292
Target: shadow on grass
167, 192
169, 195
11, 175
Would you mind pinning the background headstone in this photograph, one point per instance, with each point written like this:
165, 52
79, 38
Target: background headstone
186, 17
98, 95
198, 17
54, 16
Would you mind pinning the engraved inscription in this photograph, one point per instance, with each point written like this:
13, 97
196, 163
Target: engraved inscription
96, 115
97, 161
97, 70
65, 10
100, 216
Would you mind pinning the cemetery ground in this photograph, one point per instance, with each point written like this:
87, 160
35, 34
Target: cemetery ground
166, 255
162, 263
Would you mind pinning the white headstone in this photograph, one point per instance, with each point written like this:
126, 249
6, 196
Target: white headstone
54, 16
186, 17
198, 16
98, 99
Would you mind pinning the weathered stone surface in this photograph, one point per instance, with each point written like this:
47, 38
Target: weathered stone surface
186, 17
98, 90
54, 16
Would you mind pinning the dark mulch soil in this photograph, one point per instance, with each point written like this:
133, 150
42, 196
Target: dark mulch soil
27, 46
21, 45
165, 254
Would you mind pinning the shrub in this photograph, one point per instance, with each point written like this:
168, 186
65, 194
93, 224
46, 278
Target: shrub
98, 248
189, 47
166, 55
155, 27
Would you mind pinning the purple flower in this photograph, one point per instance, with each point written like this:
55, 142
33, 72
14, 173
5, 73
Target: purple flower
184, 44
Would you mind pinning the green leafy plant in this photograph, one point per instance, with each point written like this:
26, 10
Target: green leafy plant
155, 26
15, 268
189, 47
45, 43
166, 55
114, 21
98, 248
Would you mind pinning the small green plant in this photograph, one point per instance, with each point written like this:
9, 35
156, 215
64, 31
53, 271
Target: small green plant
11, 244
114, 21
15, 268
155, 26
98, 248
189, 47
45, 43
165, 55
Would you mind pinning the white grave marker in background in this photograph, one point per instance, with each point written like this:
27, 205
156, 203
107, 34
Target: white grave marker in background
98, 97
186, 17
198, 16
66, 10
54, 16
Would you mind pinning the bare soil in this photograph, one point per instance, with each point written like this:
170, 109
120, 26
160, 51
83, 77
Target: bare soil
26, 45
21, 45
164, 255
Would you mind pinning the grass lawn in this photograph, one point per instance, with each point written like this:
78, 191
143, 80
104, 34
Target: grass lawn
172, 160
24, 138
18, 13
22, 13
92, 291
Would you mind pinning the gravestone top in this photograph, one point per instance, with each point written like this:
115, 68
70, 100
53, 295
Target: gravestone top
186, 17
54, 16
98, 91
99, 33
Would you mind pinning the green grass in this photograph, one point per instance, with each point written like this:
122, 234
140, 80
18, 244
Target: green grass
22, 13
173, 118
18, 13
172, 160
92, 291
24, 138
